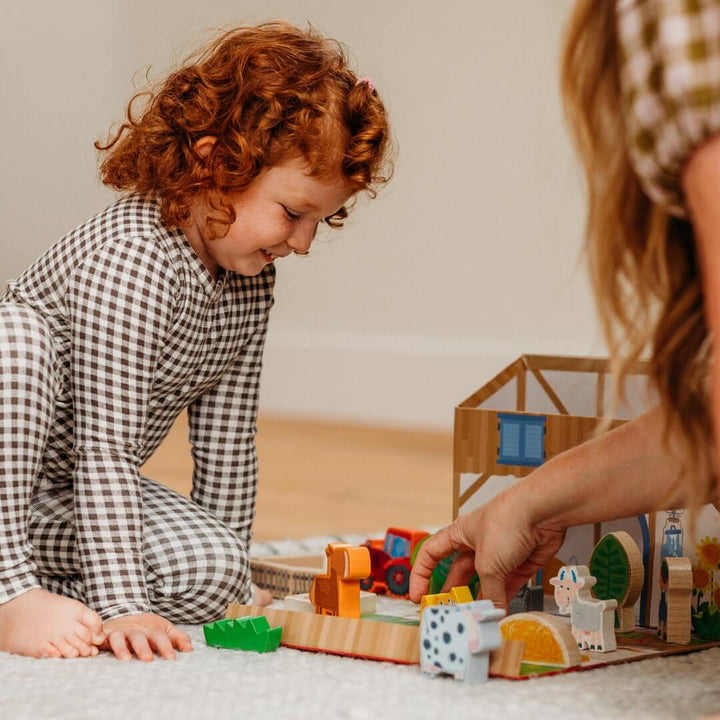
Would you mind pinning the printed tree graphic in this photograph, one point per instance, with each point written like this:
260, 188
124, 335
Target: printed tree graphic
617, 565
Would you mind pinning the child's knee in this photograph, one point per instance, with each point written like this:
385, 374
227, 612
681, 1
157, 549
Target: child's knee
229, 566
216, 572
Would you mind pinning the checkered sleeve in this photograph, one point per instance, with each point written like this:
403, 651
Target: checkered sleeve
222, 433
119, 302
670, 80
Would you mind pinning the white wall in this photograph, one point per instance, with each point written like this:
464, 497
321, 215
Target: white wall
470, 257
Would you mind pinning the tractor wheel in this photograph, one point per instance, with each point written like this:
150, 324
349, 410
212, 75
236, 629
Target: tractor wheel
398, 580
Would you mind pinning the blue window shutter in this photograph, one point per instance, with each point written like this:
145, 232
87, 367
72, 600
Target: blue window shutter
534, 445
522, 439
510, 439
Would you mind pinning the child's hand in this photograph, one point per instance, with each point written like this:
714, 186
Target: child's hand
143, 635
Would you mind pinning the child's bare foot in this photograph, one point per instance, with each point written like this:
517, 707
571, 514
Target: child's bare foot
40, 624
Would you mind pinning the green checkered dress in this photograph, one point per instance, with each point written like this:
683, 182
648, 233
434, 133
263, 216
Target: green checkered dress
670, 79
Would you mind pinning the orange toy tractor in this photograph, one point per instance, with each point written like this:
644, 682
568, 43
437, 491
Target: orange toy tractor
390, 561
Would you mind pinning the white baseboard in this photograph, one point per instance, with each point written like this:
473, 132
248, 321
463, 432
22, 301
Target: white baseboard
406, 381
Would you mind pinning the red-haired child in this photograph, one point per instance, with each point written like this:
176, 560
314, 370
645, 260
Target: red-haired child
158, 304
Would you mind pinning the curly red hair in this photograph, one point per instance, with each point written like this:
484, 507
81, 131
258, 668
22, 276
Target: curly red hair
265, 93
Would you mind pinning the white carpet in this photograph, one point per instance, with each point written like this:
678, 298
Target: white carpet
290, 684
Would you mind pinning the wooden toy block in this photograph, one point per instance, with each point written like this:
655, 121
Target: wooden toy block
302, 603
337, 590
617, 565
390, 561
252, 633
675, 600
507, 660
593, 621
284, 576
547, 640
457, 639
456, 596
362, 638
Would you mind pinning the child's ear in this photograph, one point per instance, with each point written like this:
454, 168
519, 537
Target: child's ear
203, 147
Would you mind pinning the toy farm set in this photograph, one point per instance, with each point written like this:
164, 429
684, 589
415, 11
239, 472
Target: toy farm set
616, 592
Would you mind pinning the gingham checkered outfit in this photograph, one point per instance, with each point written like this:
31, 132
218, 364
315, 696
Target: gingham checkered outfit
670, 81
103, 341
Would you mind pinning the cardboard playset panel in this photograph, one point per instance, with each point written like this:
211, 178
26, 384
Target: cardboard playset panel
540, 406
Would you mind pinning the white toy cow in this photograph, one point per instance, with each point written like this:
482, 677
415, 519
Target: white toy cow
593, 621
457, 639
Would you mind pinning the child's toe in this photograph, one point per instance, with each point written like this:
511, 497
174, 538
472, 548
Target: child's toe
48, 650
66, 649
80, 644
93, 622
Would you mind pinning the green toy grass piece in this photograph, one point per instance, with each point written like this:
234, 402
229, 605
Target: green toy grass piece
253, 634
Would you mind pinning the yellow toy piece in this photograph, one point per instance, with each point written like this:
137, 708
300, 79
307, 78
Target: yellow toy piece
456, 596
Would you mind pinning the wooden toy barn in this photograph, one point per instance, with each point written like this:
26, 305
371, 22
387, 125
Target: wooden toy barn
537, 407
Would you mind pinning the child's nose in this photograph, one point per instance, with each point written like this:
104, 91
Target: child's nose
302, 238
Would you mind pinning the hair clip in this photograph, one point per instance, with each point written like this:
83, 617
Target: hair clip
365, 81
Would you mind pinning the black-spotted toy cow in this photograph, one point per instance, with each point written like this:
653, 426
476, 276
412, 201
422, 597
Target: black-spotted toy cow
457, 639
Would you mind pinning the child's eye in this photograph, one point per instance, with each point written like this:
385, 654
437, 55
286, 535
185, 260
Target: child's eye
290, 214
336, 219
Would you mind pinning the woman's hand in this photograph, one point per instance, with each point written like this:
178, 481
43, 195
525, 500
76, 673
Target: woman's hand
144, 635
499, 541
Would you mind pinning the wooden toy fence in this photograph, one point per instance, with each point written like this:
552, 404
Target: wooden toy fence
477, 440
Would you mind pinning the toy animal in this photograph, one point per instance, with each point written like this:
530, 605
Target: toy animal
337, 591
593, 621
457, 639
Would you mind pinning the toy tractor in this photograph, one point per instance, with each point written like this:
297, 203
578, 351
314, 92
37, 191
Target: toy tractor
390, 561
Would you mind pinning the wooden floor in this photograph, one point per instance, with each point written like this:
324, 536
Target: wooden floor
322, 478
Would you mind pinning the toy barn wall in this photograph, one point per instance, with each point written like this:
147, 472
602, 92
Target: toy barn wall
477, 438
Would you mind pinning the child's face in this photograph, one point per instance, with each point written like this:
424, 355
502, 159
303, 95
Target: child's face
277, 214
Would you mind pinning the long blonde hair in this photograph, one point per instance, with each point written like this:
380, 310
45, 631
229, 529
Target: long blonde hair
643, 261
